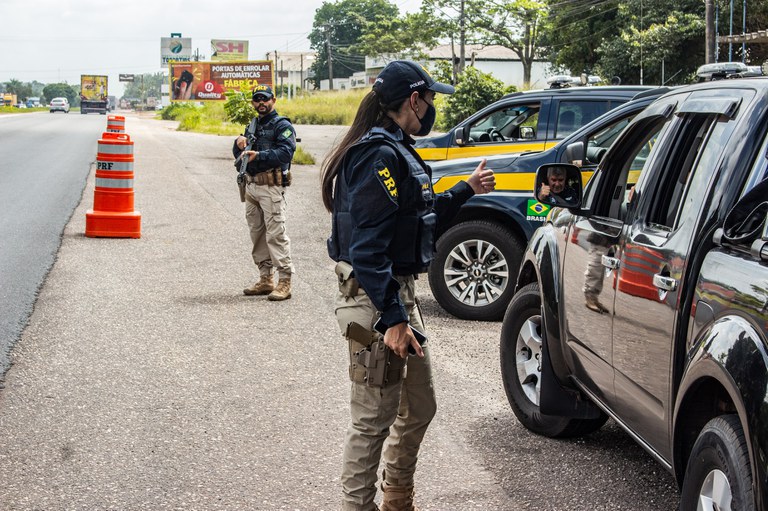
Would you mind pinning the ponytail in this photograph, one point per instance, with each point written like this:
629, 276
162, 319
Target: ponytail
370, 114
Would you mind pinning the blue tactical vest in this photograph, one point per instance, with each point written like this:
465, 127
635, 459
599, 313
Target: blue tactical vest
265, 134
413, 245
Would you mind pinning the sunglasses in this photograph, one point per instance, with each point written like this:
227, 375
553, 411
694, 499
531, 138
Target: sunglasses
261, 99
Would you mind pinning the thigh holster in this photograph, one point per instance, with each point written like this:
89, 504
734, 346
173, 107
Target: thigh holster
371, 361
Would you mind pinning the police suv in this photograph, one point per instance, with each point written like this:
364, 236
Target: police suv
526, 121
646, 298
478, 255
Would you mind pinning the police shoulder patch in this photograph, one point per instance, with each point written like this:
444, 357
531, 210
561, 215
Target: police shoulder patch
385, 177
287, 133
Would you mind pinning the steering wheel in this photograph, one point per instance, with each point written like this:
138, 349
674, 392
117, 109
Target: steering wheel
496, 135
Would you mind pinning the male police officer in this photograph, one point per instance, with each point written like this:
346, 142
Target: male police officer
273, 142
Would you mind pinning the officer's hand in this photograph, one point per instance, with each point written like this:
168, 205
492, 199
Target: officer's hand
241, 142
252, 155
399, 337
545, 191
482, 180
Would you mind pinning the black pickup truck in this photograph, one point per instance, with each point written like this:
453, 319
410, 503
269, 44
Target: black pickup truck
645, 297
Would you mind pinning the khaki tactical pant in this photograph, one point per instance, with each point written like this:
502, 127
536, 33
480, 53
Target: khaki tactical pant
265, 213
393, 418
595, 272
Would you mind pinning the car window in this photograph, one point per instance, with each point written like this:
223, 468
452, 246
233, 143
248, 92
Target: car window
760, 168
504, 124
599, 142
572, 115
611, 188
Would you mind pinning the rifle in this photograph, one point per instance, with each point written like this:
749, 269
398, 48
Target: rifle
242, 165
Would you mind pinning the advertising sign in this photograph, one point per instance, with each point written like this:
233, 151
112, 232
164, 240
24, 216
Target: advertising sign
175, 48
225, 50
208, 81
125, 78
93, 87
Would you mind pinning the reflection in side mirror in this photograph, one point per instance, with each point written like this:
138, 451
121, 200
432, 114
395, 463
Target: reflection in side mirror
559, 184
526, 133
460, 136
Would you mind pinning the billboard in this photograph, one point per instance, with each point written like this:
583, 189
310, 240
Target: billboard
225, 50
208, 81
175, 48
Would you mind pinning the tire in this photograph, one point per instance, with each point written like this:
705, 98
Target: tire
474, 270
520, 354
718, 475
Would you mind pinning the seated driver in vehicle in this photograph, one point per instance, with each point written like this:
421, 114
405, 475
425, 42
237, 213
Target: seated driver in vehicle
555, 185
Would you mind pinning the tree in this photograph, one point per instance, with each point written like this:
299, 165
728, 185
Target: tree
342, 24
513, 24
144, 86
407, 36
572, 33
61, 90
664, 38
21, 89
474, 90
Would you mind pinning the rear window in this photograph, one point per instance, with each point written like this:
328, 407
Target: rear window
572, 115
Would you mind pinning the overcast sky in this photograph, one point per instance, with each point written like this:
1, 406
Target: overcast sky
55, 41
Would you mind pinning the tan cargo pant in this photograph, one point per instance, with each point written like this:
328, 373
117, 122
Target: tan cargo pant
393, 418
265, 213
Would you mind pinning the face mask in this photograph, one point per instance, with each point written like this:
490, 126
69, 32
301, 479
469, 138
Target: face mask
427, 121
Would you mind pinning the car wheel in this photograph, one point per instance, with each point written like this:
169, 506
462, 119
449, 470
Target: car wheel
522, 338
718, 476
474, 269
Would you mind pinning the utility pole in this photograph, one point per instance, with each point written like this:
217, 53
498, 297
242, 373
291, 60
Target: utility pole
330, 57
462, 38
709, 31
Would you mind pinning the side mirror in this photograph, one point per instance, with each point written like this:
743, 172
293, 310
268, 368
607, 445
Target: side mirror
559, 184
748, 219
574, 152
526, 133
460, 135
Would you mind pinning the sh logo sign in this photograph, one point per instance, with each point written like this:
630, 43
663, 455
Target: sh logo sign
229, 50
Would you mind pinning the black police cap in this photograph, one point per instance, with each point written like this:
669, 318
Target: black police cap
263, 90
402, 77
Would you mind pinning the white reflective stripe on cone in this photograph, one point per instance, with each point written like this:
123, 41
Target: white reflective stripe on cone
114, 166
115, 148
102, 182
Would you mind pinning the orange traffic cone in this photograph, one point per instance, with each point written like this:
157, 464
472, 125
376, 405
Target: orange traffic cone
112, 215
116, 123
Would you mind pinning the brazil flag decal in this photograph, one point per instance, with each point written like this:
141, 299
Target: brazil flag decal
536, 211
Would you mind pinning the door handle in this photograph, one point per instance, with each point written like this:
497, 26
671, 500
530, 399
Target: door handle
664, 282
611, 263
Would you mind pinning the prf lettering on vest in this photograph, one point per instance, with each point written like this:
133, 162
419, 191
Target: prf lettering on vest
388, 181
104, 165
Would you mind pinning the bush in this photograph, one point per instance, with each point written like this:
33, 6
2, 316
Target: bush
474, 91
175, 110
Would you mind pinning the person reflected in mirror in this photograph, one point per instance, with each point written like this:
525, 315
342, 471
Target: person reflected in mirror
555, 191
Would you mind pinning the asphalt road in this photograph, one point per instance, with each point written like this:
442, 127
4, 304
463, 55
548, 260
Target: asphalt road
146, 380
45, 159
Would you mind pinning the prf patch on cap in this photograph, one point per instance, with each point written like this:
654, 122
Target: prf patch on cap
385, 176
259, 88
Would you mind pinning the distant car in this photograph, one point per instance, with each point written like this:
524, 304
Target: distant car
21, 105
59, 105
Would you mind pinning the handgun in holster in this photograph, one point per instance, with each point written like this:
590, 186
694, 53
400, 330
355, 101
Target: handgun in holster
374, 364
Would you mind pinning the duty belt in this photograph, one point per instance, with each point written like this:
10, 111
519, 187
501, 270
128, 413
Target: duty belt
269, 177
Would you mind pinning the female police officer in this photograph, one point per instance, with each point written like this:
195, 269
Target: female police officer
385, 215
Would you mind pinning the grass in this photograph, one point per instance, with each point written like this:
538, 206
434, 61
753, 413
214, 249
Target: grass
14, 110
326, 107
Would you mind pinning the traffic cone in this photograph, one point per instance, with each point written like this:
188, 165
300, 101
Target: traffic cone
112, 215
116, 124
